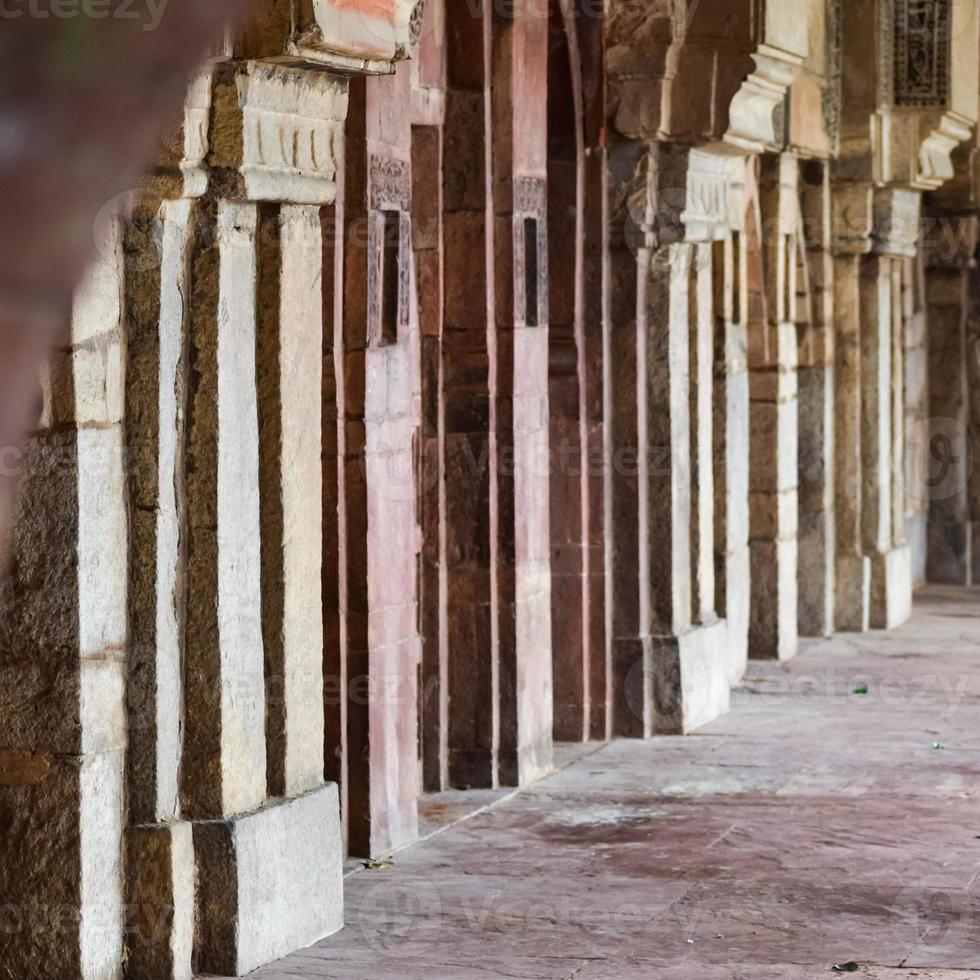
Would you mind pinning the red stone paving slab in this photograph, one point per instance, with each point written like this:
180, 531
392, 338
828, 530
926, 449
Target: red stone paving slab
800, 831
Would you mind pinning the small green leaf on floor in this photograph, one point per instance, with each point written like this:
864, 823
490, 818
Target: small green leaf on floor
863, 689
849, 967
938, 745
373, 865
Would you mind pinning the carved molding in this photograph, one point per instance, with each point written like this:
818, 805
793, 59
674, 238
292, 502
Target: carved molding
280, 130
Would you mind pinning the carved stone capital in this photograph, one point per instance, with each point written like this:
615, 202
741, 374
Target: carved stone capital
713, 181
278, 132
897, 222
852, 214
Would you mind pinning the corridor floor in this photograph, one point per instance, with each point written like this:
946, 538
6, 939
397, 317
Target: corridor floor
813, 826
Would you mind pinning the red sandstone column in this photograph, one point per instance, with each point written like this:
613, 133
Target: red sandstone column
518, 346
473, 677
380, 533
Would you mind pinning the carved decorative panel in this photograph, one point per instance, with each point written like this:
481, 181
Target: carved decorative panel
832, 93
921, 48
390, 184
389, 249
530, 252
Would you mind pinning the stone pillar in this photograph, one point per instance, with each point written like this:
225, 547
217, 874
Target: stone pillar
679, 626
897, 221
63, 631
266, 828
290, 330
160, 858
518, 347
427, 245
627, 193
576, 203
773, 632
942, 452
593, 401
972, 440
852, 570
379, 503
473, 676
816, 411
916, 425
731, 434
567, 395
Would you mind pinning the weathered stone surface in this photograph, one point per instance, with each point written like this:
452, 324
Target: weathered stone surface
160, 902
269, 882
691, 679
290, 383
224, 758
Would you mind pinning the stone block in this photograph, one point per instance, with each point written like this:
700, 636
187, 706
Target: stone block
773, 619
891, 588
737, 610
97, 303
102, 540
948, 552
852, 603
916, 533
62, 865
97, 372
816, 574
160, 902
690, 678
269, 882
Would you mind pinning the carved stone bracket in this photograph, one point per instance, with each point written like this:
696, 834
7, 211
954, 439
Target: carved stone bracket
936, 153
366, 38
757, 115
278, 132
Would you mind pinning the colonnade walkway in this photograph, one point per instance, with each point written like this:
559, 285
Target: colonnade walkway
815, 826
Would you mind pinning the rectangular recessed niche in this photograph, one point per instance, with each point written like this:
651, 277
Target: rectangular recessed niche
390, 274
531, 272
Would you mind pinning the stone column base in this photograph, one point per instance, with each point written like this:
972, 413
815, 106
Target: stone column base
852, 600
891, 588
690, 678
948, 552
160, 902
738, 601
270, 882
